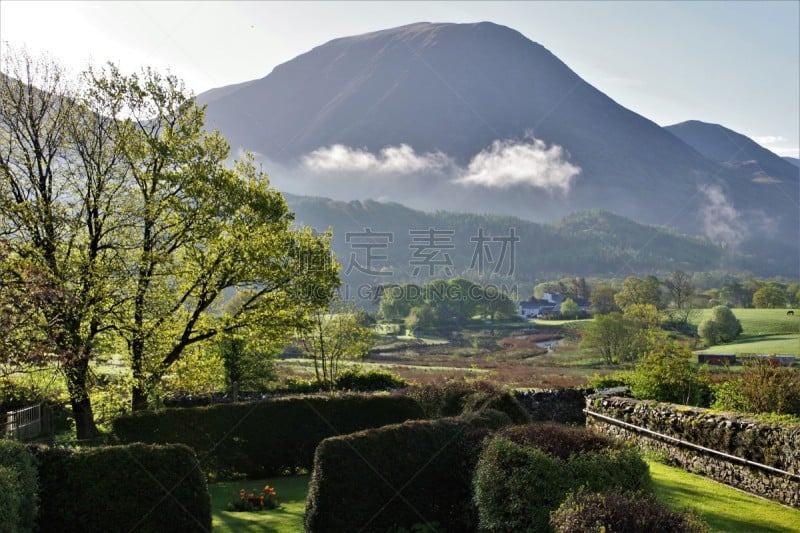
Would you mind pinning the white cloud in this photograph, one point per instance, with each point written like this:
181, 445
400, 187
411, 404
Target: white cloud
768, 139
507, 164
402, 159
721, 221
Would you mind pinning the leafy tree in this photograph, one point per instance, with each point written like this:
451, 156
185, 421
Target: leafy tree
60, 177
793, 293
332, 337
495, 304
666, 374
608, 336
736, 294
602, 300
397, 300
553, 287
642, 321
723, 326
769, 297
680, 290
639, 291
197, 228
115, 192
569, 308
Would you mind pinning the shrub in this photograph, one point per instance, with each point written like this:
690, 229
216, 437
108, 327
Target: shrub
667, 374
400, 475
453, 398
762, 388
723, 326
9, 500
122, 488
355, 379
557, 440
611, 512
267, 438
17, 510
517, 486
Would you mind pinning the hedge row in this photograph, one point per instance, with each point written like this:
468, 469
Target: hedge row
397, 476
457, 397
519, 480
591, 512
268, 438
122, 488
18, 488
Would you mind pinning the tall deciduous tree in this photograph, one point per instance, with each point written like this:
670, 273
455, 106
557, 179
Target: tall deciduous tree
60, 176
639, 291
769, 297
197, 228
680, 290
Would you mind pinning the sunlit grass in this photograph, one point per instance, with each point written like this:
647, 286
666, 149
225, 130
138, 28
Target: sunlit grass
288, 518
723, 508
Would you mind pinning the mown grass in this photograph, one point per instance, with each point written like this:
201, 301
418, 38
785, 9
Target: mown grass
723, 508
764, 331
288, 518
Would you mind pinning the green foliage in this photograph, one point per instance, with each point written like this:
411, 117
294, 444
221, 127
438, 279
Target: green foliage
608, 336
602, 300
639, 291
667, 374
19, 488
9, 500
591, 512
722, 326
569, 309
122, 488
332, 338
270, 437
517, 486
761, 388
400, 475
557, 440
356, 379
769, 297
453, 398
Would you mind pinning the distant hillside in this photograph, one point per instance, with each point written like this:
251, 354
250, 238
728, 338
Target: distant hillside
468, 100
590, 243
793, 160
735, 151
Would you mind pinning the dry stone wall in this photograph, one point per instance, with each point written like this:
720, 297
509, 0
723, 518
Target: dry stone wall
760, 458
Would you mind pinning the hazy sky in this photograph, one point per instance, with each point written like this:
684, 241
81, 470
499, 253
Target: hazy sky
733, 63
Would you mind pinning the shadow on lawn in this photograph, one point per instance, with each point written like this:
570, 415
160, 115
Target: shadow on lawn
287, 518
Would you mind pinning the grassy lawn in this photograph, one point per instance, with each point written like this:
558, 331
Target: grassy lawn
725, 509
765, 331
287, 518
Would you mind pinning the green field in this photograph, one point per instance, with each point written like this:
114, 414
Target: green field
765, 331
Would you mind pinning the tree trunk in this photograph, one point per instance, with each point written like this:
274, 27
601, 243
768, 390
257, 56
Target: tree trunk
138, 398
84, 418
77, 374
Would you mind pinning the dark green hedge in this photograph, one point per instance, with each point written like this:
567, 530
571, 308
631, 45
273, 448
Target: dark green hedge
397, 476
590, 512
267, 438
18, 488
518, 485
453, 398
122, 488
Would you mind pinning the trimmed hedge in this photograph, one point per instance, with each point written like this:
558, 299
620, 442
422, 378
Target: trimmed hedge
453, 398
612, 512
399, 476
122, 488
18, 488
267, 438
518, 485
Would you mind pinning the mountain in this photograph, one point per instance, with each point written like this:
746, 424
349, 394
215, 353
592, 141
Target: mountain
793, 160
477, 117
735, 151
589, 243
